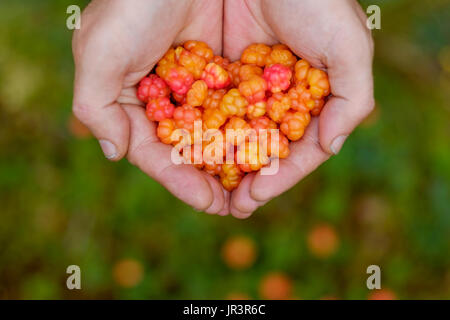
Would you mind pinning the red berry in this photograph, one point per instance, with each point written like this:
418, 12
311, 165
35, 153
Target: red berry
179, 79
152, 87
159, 109
278, 77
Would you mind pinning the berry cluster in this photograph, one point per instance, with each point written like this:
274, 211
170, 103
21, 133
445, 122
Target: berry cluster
269, 88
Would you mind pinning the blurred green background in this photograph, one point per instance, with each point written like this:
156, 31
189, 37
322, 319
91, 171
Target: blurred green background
384, 200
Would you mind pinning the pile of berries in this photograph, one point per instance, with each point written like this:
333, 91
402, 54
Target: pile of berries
267, 90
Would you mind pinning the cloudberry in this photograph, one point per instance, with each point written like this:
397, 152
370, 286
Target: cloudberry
248, 71
193, 63
301, 98
167, 62
256, 109
233, 103
213, 169
193, 155
301, 71
213, 118
185, 116
281, 56
179, 98
256, 54
230, 176
152, 87
221, 61
318, 105
294, 124
277, 106
214, 152
233, 71
199, 48
179, 79
159, 109
214, 98
278, 77
280, 46
250, 156
253, 90
283, 146
263, 123
215, 76
237, 129
165, 130
197, 93
318, 83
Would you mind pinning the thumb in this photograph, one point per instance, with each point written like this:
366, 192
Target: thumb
98, 85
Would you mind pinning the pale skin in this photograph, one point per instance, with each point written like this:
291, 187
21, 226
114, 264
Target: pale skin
121, 40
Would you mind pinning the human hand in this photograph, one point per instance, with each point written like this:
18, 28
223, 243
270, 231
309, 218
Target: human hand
329, 34
118, 44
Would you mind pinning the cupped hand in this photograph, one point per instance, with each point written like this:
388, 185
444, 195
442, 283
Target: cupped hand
118, 44
331, 35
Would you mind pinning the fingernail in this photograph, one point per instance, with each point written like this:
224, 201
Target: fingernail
108, 148
337, 143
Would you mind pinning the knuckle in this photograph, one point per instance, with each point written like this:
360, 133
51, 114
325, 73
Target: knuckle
82, 112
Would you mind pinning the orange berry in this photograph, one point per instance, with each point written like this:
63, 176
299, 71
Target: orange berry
262, 123
323, 241
275, 286
185, 116
294, 124
239, 252
318, 106
213, 169
318, 83
283, 146
179, 79
254, 89
192, 62
301, 99
250, 156
248, 71
213, 118
277, 106
199, 48
233, 103
180, 98
221, 61
256, 54
214, 98
256, 109
238, 130
234, 71
301, 71
281, 56
197, 93
230, 176
215, 76
165, 130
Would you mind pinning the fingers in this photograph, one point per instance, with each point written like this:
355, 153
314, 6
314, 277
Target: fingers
197, 189
255, 190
